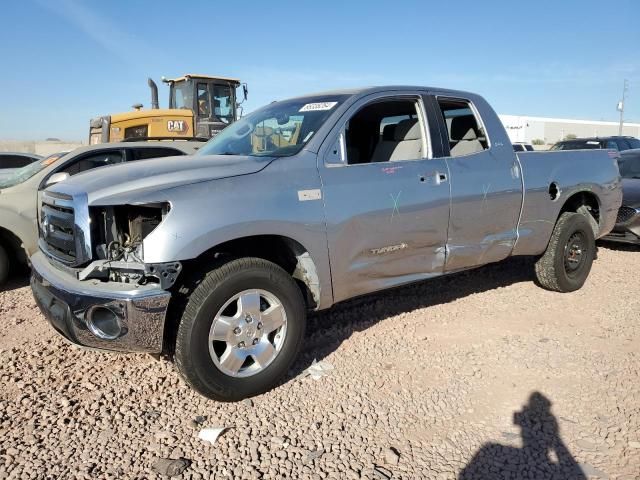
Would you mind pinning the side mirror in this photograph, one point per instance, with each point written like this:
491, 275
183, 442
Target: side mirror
57, 178
245, 91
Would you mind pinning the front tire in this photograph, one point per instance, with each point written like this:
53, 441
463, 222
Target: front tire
5, 265
241, 330
565, 265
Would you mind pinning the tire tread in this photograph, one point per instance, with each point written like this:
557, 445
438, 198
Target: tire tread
196, 302
545, 268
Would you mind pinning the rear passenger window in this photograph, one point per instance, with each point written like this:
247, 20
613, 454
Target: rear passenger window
385, 131
14, 161
93, 161
465, 131
144, 153
633, 142
622, 144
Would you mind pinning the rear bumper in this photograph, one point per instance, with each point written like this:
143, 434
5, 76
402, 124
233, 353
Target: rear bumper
106, 316
623, 237
627, 227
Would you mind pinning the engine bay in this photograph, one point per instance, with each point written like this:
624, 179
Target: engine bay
117, 234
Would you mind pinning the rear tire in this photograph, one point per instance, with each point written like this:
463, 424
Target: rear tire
241, 330
5, 265
566, 263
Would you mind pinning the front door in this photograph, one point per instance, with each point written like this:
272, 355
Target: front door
386, 200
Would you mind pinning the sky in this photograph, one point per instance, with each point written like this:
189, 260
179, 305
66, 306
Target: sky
65, 61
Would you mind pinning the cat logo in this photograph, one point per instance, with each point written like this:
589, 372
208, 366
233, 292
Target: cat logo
177, 126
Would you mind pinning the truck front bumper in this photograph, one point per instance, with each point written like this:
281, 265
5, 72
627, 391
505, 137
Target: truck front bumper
101, 315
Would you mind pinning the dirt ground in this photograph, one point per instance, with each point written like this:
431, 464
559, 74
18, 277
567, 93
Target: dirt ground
476, 375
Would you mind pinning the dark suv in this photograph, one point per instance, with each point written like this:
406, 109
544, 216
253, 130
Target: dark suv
615, 143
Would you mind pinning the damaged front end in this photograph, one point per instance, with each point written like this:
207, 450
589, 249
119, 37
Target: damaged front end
117, 234
90, 279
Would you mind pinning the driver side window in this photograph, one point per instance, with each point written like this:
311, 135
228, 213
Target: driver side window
385, 131
89, 162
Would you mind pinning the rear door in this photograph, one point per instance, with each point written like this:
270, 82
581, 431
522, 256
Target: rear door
386, 198
485, 180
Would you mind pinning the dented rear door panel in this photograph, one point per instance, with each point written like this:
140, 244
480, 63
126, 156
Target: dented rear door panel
486, 197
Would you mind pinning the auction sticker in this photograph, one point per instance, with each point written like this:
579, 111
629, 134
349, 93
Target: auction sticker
314, 107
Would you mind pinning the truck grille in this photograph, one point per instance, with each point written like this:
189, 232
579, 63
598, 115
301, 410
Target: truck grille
62, 229
625, 214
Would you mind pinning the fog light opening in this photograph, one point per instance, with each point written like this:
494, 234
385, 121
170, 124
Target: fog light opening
104, 323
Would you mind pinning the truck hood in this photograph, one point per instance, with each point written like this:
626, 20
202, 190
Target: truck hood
128, 182
631, 192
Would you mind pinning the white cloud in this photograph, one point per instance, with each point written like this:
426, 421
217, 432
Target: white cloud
125, 46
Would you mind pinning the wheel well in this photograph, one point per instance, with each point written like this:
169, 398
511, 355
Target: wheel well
584, 202
285, 252
13, 244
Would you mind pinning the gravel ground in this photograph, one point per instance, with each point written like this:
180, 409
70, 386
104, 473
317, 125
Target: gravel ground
477, 375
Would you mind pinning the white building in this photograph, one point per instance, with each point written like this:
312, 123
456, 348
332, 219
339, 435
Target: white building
526, 129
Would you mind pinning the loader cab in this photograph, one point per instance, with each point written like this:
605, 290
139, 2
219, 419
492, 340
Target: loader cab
211, 99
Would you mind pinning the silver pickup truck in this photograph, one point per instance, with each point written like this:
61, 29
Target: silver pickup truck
303, 203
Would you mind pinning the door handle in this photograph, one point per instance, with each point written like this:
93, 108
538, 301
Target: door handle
435, 178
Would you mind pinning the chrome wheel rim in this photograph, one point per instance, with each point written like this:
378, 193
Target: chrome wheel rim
247, 333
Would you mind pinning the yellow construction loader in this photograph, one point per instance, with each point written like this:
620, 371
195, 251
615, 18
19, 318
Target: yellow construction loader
200, 106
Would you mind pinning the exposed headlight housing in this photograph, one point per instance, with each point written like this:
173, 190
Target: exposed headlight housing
118, 232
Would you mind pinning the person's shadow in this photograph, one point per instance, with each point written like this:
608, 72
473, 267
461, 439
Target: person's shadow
543, 454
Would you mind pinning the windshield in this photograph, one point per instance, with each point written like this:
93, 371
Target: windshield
280, 129
223, 104
25, 173
577, 145
629, 166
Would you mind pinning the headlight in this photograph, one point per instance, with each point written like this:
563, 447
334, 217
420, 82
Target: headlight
118, 232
